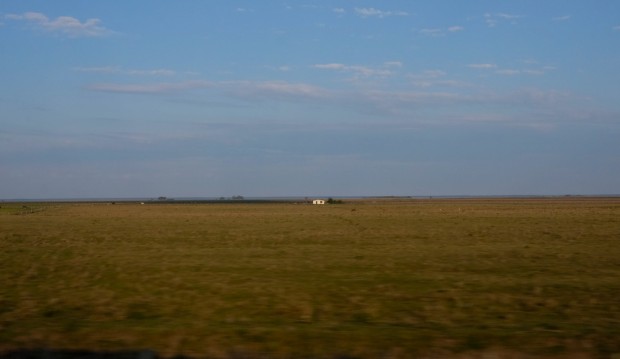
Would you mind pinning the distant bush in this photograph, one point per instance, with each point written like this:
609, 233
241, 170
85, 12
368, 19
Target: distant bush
333, 201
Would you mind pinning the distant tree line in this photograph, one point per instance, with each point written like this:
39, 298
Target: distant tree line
333, 201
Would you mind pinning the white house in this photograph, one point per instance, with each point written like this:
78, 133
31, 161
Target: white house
318, 201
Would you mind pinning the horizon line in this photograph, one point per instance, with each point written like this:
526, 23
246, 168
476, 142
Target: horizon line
300, 197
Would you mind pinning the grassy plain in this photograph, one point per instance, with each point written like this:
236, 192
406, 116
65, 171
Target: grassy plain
368, 279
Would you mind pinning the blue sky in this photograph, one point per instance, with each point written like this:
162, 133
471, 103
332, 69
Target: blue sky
306, 98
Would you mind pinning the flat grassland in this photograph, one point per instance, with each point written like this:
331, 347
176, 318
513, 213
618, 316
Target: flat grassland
367, 279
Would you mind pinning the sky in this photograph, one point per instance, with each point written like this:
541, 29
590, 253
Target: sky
192, 98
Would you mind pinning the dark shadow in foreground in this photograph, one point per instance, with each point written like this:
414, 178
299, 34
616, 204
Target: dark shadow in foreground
79, 354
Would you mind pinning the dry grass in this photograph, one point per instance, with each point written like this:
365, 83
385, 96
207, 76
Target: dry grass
384, 279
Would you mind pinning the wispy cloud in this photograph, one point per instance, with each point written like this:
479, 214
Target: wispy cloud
393, 64
372, 12
441, 31
100, 69
508, 72
512, 72
434, 91
616, 28
361, 71
243, 89
434, 78
508, 16
401, 98
431, 32
562, 18
332, 66
539, 98
65, 25
444, 99
482, 66
272, 89
543, 105
153, 88
384, 70
493, 19
120, 70
156, 72
433, 74
339, 10
533, 72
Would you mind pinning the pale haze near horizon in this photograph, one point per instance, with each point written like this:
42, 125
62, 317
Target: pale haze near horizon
339, 98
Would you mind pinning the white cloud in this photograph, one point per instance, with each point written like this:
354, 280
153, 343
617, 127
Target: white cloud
616, 28
156, 72
493, 19
403, 103
154, 88
271, 88
433, 90
562, 18
367, 71
445, 97
30, 16
427, 78
441, 31
361, 70
533, 72
120, 70
338, 10
512, 72
371, 11
330, 66
537, 97
101, 69
65, 25
482, 66
434, 78
393, 64
508, 16
537, 71
530, 71
491, 22
399, 100
431, 32
244, 89
508, 72
433, 74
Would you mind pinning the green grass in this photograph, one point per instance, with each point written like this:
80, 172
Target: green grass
364, 279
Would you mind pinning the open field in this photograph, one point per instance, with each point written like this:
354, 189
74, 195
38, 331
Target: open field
370, 279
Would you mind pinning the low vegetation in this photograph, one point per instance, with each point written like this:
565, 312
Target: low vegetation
368, 279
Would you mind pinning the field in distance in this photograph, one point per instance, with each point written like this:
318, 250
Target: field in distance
363, 279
